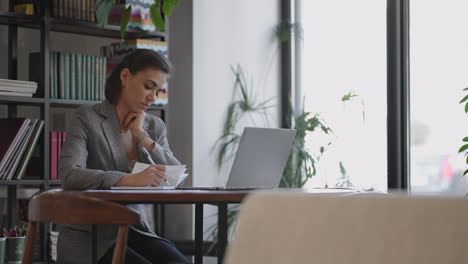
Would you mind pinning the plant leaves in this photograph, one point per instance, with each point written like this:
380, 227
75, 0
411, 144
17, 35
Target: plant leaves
465, 139
124, 21
103, 9
464, 173
466, 89
466, 108
348, 96
464, 99
463, 148
156, 16
283, 31
168, 6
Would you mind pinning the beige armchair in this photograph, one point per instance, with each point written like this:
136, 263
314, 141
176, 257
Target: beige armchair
301, 228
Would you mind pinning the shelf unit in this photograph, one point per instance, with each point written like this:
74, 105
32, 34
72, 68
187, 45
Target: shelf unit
46, 24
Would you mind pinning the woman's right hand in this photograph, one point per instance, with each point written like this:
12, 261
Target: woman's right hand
154, 175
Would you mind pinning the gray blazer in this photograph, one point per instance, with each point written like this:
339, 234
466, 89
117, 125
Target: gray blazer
93, 157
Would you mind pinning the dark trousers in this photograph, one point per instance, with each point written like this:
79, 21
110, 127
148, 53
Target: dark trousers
143, 249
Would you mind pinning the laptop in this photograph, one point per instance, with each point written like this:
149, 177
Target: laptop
260, 159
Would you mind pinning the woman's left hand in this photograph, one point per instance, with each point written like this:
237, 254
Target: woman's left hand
134, 122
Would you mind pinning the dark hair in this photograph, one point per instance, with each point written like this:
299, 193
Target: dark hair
135, 62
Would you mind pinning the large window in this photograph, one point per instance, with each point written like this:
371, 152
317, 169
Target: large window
344, 53
438, 73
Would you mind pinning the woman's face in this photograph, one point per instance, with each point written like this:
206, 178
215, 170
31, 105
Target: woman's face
140, 90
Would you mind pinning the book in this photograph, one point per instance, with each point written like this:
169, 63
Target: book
55, 8
10, 164
20, 150
17, 89
78, 77
52, 74
16, 94
17, 83
61, 66
72, 77
93, 78
66, 70
29, 150
53, 155
88, 78
12, 130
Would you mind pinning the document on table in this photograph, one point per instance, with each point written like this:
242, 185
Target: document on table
175, 175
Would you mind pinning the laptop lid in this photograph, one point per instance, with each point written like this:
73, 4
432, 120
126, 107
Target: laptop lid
261, 157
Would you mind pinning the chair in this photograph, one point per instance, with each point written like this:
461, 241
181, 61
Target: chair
303, 228
72, 208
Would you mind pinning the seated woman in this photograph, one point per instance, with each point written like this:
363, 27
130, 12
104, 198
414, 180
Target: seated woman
103, 143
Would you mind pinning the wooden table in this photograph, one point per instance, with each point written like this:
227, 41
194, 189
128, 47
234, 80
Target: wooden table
221, 199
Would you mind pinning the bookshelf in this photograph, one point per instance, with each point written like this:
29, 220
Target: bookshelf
46, 24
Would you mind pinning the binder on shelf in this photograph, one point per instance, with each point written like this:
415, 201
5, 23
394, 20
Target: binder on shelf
29, 150
79, 78
12, 131
72, 76
16, 152
53, 154
11, 168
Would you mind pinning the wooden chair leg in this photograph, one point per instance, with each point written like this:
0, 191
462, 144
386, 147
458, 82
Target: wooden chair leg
28, 251
121, 245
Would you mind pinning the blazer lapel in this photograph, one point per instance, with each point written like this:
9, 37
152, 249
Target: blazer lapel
111, 130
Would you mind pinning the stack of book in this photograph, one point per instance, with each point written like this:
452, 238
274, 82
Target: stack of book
18, 140
73, 76
83, 10
57, 138
140, 17
115, 52
17, 88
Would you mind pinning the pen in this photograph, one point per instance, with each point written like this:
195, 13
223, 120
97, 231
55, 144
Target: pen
148, 157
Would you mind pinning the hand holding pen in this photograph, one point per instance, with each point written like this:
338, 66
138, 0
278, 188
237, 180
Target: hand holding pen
148, 157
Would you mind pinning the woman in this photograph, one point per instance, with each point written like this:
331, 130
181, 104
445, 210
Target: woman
103, 143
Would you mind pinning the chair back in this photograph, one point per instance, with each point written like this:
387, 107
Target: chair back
55, 206
301, 228
72, 208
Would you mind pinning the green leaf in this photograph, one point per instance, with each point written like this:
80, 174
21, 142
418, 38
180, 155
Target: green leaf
348, 96
156, 16
342, 169
464, 173
169, 6
464, 99
465, 139
466, 108
124, 21
466, 89
463, 148
103, 9
466, 159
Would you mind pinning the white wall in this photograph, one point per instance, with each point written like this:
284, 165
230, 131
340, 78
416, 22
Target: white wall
228, 33
206, 38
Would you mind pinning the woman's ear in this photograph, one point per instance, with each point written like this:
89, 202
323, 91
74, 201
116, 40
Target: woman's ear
124, 76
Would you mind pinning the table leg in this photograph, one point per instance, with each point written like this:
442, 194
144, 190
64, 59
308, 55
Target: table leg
94, 243
163, 220
198, 233
222, 230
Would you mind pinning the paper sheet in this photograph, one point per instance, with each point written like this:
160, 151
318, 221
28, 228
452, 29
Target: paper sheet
175, 174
